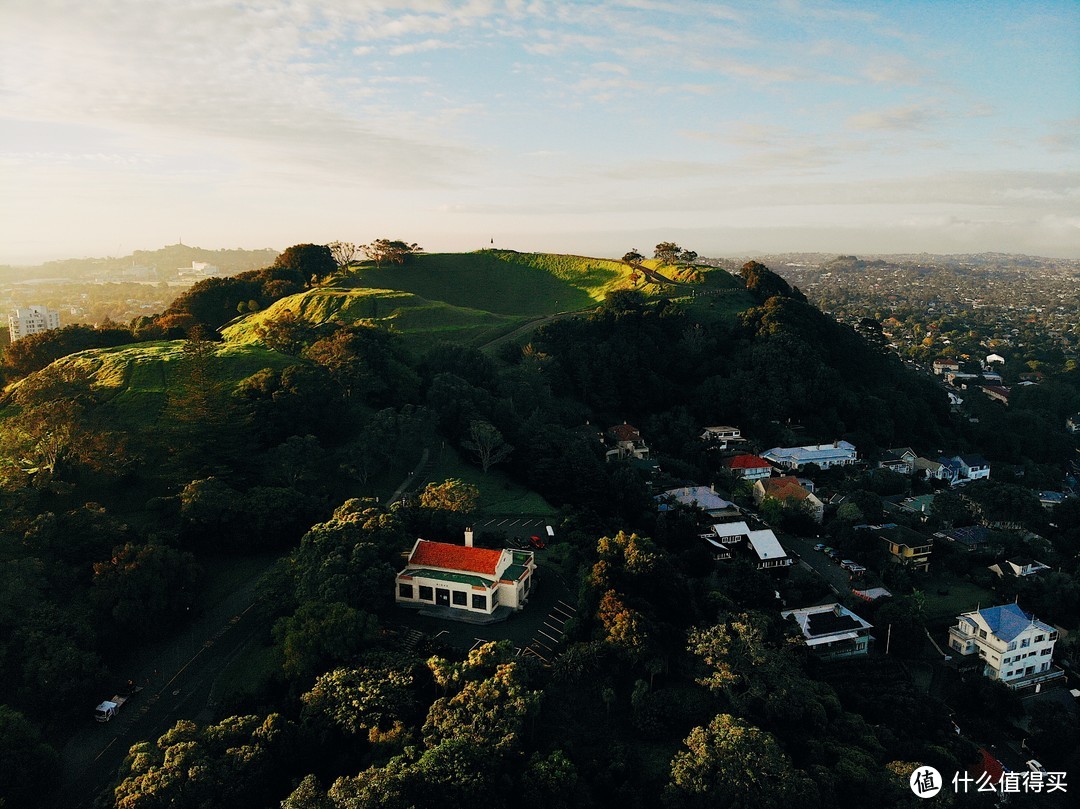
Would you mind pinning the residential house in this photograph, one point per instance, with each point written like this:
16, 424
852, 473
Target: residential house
625, 441
720, 437
973, 467
907, 547
789, 491
969, 538
472, 584
1051, 500
932, 470
832, 631
1018, 568
763, 548
941, 365
750, 467
921, 506
964, 468
999, 393
1015, 648
960, 380
702, 497
825, 456
900, 460
992, 358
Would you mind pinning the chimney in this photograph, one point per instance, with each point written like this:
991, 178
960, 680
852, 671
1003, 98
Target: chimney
468, 538
712, 488
838, 610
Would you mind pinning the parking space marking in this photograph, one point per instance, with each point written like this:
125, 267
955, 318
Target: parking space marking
552, 628
546, 635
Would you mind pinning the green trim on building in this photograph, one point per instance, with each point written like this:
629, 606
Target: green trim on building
444, 575
514, 572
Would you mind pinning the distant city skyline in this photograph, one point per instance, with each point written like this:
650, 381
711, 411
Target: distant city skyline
586, 127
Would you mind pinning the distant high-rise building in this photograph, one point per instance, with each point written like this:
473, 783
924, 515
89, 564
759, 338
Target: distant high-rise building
32, 320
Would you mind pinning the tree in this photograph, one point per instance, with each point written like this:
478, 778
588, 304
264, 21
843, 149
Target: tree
486, 442
146, 588
286, 333
731, 764
372, 701
344, 253
29, 768
319, 635
667, 252
391, 251
451, 495
311, 261
633, 257
688, 256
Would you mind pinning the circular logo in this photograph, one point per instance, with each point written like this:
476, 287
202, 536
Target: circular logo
925, 782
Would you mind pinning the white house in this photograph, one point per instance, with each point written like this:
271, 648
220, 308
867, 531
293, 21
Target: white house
763, 546
838, 453
721, 436
973, 467
1018, 568
1016, 648
992, 358
198, 271
476, 582
942, 365
832, 630
32, 320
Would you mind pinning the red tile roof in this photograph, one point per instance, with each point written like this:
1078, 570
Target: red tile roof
784, 488
747, 462
455, 557
625, 432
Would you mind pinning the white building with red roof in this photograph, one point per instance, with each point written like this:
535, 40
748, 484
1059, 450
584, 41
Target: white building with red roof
750, 467
478, 582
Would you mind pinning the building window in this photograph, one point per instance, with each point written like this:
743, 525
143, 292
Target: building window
1038, 638
460, 599
479, 602
982, 633
1012, 646
1026, 642
1046, 651
405, 590
426, 593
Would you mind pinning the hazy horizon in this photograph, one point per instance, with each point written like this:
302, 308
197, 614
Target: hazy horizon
583, 128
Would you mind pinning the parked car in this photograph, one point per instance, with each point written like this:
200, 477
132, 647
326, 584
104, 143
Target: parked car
856, 570
847, 564
820, 546
537, 543
834, 555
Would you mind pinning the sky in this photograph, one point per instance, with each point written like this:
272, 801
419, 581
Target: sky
571, 127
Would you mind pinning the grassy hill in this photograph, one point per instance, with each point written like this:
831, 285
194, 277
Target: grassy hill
502, 281
476, 298
421, 321
135, 380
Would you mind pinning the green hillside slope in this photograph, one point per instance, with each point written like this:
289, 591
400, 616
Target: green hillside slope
135, 380
419, 320
503, 281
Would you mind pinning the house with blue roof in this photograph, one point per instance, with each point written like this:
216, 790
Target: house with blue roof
825, 456
1015, 647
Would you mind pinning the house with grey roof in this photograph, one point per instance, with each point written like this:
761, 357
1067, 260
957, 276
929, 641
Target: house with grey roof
832, 631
